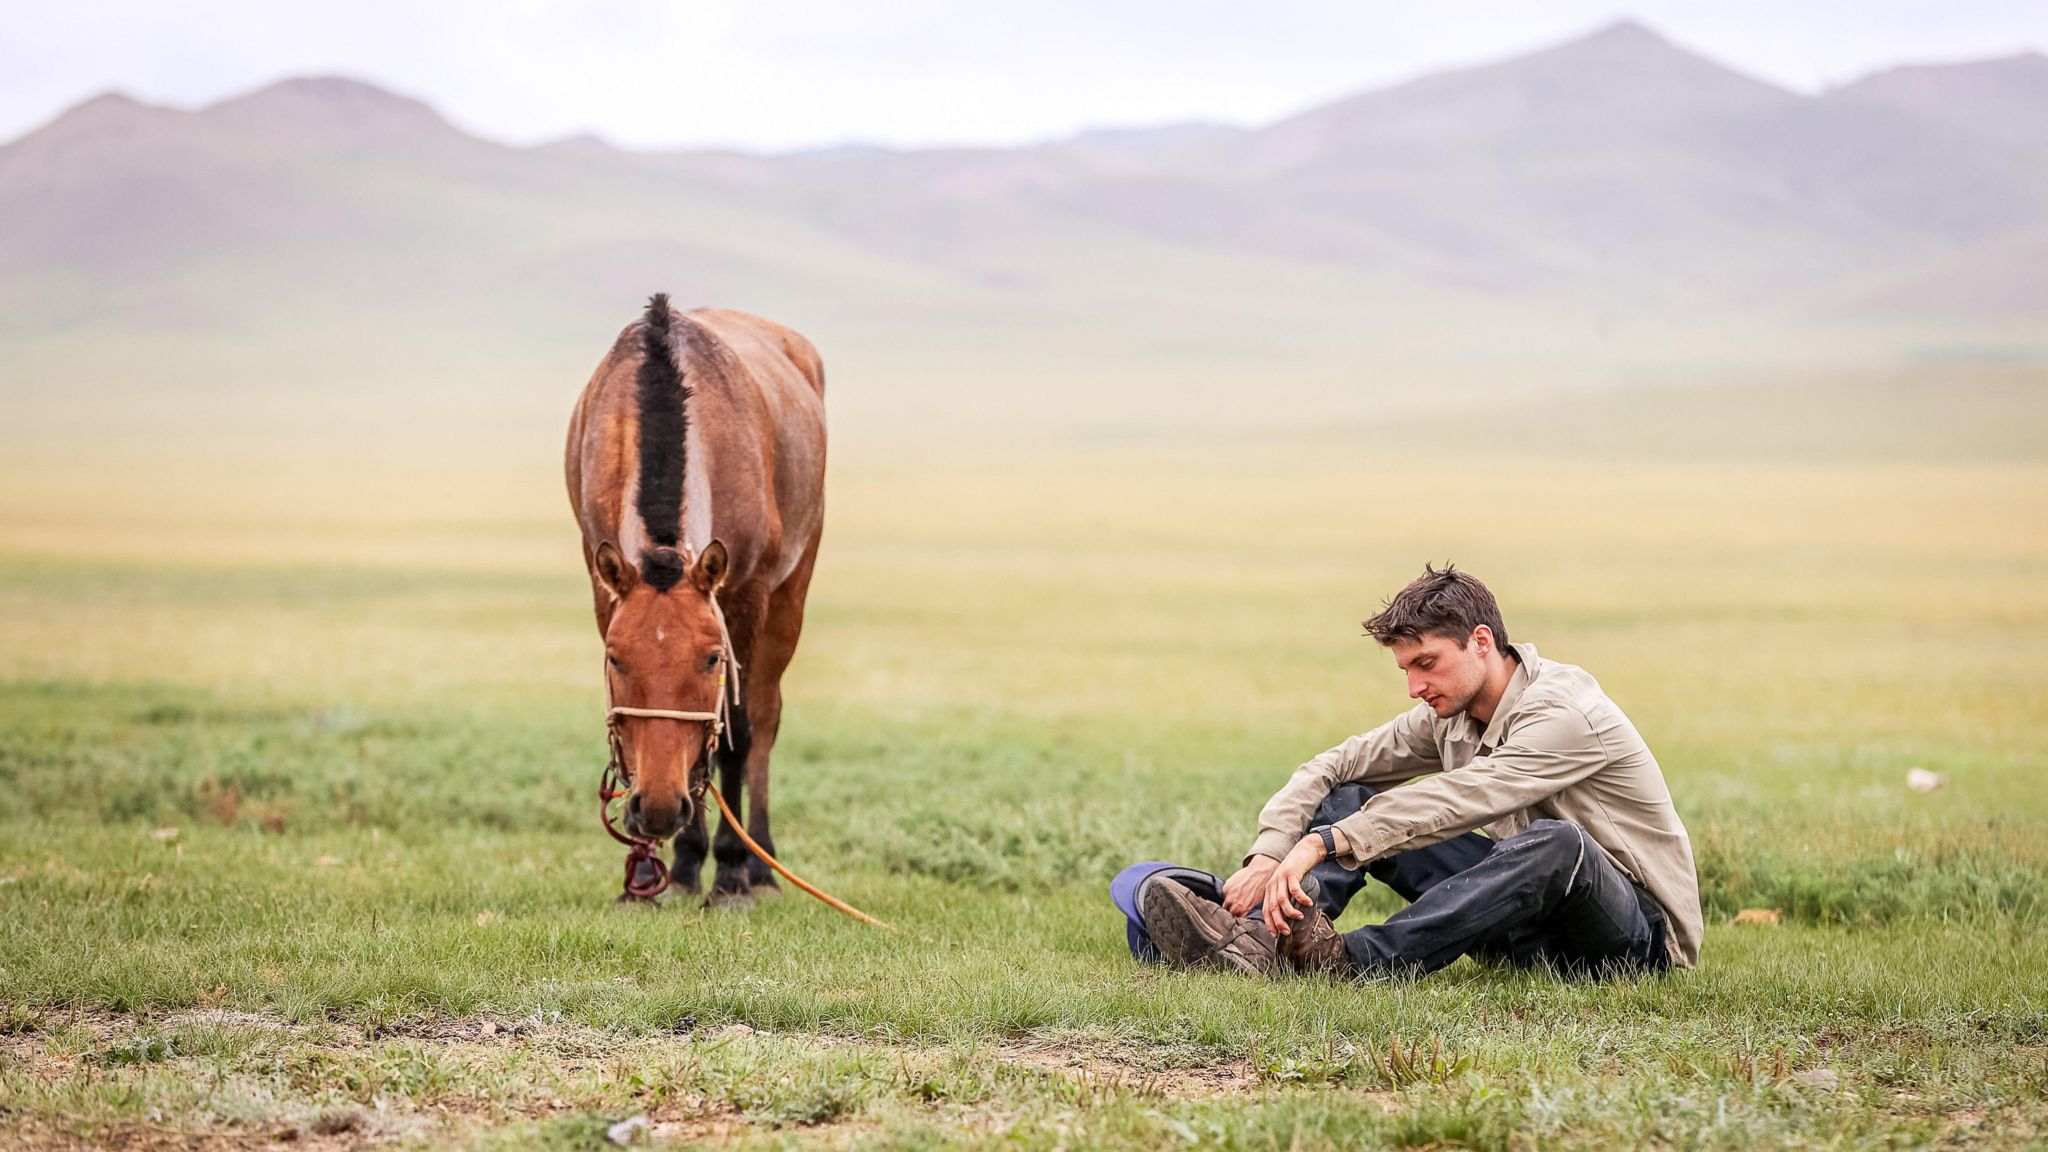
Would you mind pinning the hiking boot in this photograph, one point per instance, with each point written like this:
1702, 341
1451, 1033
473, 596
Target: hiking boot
1313, 943
1193, 933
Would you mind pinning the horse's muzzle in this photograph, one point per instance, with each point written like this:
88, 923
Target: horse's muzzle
657, 821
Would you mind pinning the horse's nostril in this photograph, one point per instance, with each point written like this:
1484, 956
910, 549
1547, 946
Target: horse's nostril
633, 804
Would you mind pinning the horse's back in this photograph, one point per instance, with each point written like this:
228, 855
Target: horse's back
758, 418
760, 341
784, 385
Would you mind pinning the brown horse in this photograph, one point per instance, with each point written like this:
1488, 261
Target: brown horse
696, 468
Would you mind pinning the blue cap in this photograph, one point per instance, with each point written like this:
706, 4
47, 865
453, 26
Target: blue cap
1127, 892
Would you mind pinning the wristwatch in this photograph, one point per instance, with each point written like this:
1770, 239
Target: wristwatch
1329, 840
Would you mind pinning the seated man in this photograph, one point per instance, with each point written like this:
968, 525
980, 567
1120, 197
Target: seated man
1584, 864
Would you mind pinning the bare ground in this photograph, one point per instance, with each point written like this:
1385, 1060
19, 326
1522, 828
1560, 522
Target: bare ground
68, 1048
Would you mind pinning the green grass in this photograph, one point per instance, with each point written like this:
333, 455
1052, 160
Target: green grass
295, 828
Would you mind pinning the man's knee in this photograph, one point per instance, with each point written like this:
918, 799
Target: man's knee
1551, 834
1551, 846
1344, 800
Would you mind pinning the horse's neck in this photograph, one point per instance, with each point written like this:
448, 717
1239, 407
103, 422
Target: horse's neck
697, 530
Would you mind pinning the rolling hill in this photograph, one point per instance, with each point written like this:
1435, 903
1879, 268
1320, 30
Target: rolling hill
1608, 210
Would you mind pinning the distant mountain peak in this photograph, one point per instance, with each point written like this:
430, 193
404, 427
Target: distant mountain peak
2019, 70
332, 109
1628, 44
336, 90
1623, 76
108, 119
1626, 30
108, 110
2004, 98
112, 101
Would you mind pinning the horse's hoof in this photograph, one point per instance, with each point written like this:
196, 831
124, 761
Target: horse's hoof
767, 890
734, 901
628, 900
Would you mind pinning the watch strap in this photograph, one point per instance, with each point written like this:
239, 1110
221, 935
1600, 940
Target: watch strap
1329, 840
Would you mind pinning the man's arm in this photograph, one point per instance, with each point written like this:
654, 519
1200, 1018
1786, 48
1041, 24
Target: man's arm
1401, 749
1544, 753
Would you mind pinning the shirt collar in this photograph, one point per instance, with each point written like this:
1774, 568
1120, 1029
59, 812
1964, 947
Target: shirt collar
1525, 671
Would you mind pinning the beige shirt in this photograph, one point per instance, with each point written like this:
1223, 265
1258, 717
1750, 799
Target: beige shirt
1557, 748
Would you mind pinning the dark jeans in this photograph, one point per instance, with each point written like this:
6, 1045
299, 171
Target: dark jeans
1547, 895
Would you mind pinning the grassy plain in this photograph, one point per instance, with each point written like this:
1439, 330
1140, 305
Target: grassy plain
296, 842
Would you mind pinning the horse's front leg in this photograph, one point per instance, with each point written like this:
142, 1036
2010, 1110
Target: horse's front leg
691, 845
731, 885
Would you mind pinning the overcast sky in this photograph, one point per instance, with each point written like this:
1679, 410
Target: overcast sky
777, 74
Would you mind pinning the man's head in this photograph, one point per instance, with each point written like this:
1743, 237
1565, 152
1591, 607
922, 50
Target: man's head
1445, 632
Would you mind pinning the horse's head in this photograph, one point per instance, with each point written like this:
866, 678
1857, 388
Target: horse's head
664, 649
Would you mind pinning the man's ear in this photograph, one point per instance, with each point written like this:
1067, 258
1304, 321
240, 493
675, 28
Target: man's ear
1483, 637
709, 570
613, 572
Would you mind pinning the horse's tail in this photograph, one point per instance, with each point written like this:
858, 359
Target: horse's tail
664, 416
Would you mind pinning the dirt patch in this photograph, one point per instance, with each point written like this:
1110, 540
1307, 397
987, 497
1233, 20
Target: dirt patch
1117, 1065
139, 1136
721, 1129
72, 1048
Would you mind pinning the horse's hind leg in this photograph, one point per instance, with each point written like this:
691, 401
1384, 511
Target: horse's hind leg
730, 885
773, 653
768, 710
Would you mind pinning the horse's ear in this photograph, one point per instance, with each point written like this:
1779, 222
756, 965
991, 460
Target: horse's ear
613, 572
709, 571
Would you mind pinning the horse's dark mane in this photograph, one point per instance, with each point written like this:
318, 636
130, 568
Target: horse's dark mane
664, 421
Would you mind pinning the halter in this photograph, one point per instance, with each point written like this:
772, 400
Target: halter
617, 782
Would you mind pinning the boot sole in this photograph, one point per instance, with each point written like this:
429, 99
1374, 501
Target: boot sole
1172, 926
1178, 934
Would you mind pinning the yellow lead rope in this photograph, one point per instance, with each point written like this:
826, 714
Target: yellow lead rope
733, 823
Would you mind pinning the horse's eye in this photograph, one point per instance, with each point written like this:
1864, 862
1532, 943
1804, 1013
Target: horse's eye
613, 661
711, 661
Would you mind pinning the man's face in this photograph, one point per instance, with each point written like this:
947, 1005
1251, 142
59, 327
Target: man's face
1440, 673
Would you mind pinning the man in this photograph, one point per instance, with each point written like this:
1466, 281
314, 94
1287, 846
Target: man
1584, 865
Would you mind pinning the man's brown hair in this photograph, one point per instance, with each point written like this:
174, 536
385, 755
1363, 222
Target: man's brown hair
1440, 602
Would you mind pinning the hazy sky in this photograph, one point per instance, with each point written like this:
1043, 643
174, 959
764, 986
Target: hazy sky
779, 74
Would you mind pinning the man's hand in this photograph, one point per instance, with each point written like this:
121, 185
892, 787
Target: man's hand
1283, 897
1243, 891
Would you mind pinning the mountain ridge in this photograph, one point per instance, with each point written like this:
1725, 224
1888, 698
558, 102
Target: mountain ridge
1624, 33
1615, 170
2004, 98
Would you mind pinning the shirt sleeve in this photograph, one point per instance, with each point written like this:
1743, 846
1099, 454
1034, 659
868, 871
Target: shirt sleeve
1545, 752
1401, 749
